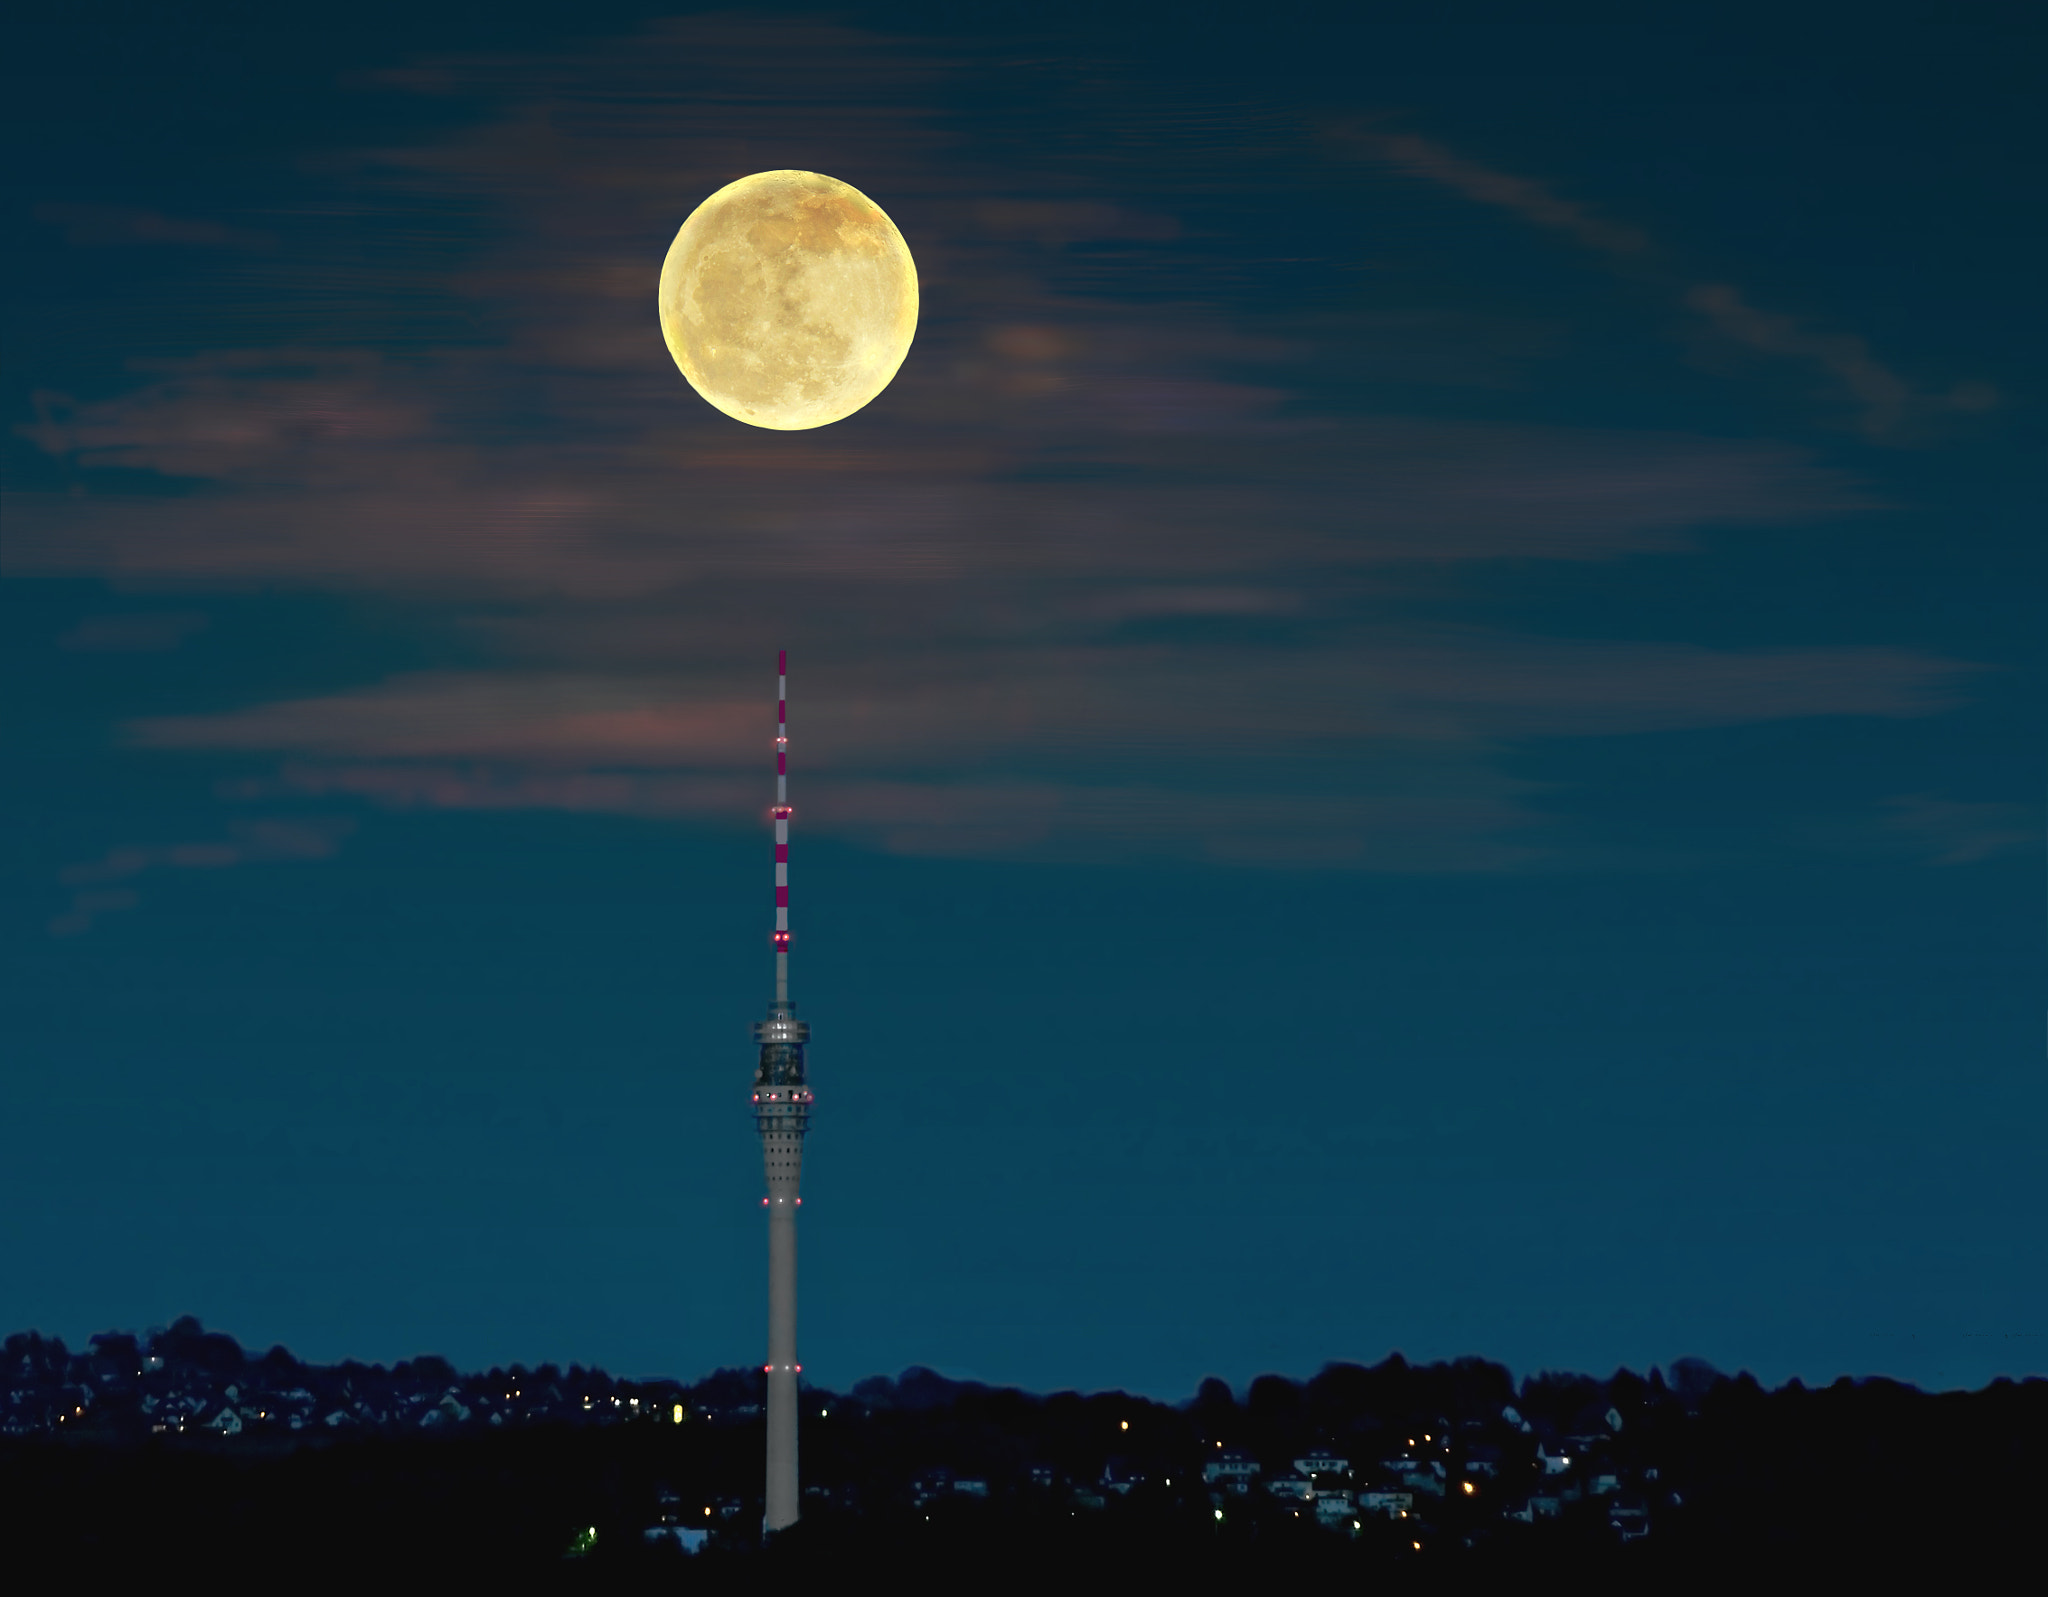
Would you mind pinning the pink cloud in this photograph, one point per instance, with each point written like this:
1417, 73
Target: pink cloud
1453, 824
480, 715
974, 573
1175, 744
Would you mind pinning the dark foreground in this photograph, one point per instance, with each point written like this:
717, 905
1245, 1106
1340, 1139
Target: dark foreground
1868, 1481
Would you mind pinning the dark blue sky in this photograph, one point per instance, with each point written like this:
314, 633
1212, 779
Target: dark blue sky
1415, 724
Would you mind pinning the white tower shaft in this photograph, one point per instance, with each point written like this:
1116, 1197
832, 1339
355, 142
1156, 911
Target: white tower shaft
782, 1113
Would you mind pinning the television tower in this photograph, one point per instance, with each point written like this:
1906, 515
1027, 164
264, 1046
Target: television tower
782, 1112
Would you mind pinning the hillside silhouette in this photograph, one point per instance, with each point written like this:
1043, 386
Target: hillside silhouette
1412, 1474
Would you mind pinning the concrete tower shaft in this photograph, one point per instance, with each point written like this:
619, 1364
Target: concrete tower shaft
782, 1116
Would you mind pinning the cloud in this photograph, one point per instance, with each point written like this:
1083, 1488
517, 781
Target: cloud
86, 909
1055, 222
1522, 196
300, 417
1124, 480
89, 225
1959, 832
1451, 686
153, 632
1439, 820
535, 718
254, 841
1888, 403
1106, 569
1384, 742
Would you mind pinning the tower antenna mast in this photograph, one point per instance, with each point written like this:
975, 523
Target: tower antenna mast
782, 1115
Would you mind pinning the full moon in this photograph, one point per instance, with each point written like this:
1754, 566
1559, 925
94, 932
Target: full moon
788, 300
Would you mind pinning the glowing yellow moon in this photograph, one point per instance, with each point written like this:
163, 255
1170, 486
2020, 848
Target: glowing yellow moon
788, 299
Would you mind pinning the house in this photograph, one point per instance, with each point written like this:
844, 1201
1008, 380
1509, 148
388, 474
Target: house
1231, 1471
1420, 1475
1296, 1488
970, 1488
1335, 1511
1386, 1501
1322, 1464
689, 1538
449, 1411
1629, 1521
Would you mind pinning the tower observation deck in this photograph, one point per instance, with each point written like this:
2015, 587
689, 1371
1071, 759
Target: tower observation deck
782, 1115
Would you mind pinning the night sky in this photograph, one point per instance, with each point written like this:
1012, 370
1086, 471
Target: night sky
1415, 725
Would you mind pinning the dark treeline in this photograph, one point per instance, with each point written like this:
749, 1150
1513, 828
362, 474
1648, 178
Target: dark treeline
146, 1454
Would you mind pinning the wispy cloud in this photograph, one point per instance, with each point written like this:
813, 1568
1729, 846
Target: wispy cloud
1945, 831
1887, 403
256, 841
1526, 198
1162, 750
1100, 573
133, 632
90, 225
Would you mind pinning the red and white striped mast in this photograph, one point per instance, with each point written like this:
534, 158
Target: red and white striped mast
782, 1115
781, 814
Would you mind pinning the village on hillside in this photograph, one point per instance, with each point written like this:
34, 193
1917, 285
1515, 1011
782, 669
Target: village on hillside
1411, 1459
